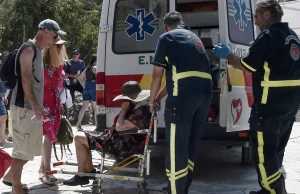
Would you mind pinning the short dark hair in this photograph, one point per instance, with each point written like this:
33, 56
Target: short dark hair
272, 6
173, 18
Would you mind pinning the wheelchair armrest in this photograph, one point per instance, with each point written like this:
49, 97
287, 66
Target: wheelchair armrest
134, 131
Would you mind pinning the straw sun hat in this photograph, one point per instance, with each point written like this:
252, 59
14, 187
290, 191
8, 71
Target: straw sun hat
132, 91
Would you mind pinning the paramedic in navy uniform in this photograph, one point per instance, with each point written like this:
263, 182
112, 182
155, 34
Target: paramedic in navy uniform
273, 59
182, 55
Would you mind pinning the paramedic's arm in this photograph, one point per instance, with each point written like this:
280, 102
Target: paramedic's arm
159, 62
26, 74
235, 62
157, 75
163, 92
253, 61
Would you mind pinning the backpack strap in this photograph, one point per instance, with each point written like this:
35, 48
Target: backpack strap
62, 154
69, 150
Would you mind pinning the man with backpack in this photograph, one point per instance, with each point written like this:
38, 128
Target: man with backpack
27, 99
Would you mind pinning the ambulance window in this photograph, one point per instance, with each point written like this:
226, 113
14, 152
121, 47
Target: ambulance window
138, 25
240, 21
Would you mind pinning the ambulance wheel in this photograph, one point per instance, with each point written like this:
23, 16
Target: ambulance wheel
247, 155
142, 187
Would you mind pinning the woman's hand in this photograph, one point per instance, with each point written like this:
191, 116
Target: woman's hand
61, 109
5, 100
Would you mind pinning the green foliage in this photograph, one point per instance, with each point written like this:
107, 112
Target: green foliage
79, 18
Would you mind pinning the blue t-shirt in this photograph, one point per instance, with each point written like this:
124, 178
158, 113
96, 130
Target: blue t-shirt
73, 66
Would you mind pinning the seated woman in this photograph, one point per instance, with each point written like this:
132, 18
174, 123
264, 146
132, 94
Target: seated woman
134, 114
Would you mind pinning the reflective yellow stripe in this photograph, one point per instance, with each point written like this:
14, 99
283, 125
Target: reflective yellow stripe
178, 172
177, 76
172, 156
167, 59
192, 74
191, 168
174, 73
275, 174
247, 66
178, 177
261, 167
282, 83
266, 78
191, 163
275, 179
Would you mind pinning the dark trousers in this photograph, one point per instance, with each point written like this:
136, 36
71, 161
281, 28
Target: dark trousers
185, 119
269, 137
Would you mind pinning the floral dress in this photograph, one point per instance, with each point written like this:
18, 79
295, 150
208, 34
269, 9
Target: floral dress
52, 102
122, 146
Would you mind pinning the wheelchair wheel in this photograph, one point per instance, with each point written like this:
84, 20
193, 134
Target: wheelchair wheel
142, 187
97, 188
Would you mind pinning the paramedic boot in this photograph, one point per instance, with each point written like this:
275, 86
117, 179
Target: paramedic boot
279, 189
77, 180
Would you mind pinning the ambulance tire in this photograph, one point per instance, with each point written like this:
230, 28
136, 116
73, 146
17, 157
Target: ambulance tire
247, 155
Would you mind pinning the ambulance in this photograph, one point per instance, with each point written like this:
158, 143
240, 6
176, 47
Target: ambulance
128, 34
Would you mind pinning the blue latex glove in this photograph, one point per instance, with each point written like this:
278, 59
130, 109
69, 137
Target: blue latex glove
221, 51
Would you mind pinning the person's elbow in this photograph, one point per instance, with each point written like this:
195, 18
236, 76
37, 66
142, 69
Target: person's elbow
157, 73
26, 80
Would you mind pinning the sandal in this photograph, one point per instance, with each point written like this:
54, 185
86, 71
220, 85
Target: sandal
10, 185
41, 176
49, 180
79, 128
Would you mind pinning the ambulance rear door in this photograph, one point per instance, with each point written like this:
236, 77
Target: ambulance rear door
135, 26
237, 31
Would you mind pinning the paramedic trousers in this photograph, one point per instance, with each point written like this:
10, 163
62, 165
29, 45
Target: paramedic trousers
269, 136
184, 120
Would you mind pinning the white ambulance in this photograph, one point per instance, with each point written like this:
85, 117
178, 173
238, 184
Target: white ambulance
129, 30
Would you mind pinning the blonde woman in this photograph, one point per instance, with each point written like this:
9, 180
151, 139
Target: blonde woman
53, 58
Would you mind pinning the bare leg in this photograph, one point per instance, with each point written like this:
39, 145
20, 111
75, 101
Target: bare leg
16, 173
2, 128
89, 162
83, 153
94, 105
46, 157
82, 111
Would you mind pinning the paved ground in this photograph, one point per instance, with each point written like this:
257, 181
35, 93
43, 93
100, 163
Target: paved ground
218, 171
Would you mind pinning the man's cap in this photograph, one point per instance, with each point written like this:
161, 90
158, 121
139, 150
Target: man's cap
76, 51
51, 25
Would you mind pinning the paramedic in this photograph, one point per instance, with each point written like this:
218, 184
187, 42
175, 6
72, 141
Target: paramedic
273, 59
189, 87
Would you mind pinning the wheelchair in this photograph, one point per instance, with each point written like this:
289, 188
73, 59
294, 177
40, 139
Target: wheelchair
108, 169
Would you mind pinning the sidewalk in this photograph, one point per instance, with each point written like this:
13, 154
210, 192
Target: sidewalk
218, 171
